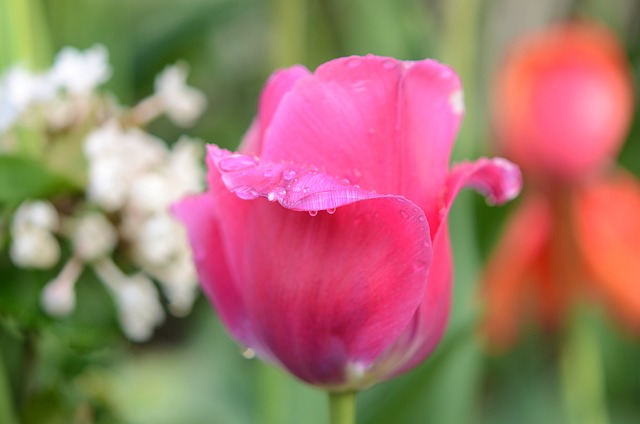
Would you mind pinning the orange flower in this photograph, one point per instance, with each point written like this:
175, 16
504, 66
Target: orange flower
562, 107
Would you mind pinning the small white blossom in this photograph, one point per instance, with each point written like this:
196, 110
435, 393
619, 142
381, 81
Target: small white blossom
39, 213
79, 72
19, 89
33, 244
136, 297
116, 158
93, 236
34, 248
182, 104
139, 307
58, 296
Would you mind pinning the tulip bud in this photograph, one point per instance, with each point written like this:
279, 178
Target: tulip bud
563, 101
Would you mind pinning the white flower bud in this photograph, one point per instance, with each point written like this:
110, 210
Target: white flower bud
58, 296
139, 307
80, 72
93, 236
38, 214
182, 104
116, 158
136, 297
33, 247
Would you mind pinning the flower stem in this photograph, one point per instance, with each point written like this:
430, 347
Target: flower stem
6, 401
582, 376
342, 407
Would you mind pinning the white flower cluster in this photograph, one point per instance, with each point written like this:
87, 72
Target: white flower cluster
74, 72
132, 179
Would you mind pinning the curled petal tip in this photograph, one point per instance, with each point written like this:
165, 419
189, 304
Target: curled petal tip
498, 179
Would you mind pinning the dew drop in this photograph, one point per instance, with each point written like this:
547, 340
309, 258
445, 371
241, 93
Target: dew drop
246, 193
404, 214
271, 197
422, 218
236, 163
313, 213
331, 211
356, 173
288, 174
249, 353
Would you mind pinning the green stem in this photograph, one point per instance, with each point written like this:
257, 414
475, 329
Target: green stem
342, 407
582, 377
7, 414
288, 31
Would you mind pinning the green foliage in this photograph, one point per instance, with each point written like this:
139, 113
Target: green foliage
22, 178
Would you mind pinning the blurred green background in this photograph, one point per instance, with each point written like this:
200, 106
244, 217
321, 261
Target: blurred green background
81, 370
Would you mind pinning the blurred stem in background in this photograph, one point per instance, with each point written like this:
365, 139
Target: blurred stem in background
288, 32
459, 49
7, 414
582, 376
580, 363
23, 34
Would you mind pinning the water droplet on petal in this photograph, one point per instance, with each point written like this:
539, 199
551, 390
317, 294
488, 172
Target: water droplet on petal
404, 214
313, 213
236, 163
271, 197
422, 218
249, 353
356, 173
331, 211
288, 174
246, 193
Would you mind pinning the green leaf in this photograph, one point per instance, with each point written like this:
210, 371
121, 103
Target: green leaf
22, 178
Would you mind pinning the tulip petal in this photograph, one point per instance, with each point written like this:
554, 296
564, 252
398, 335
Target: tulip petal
301, 275
198, 215
431, 109
421, 337
513, 269
385, 125
308, 273
497, 179
278, 85
299, 188
608, 231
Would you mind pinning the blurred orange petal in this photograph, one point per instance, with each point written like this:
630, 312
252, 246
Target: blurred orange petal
513, 270
608, 231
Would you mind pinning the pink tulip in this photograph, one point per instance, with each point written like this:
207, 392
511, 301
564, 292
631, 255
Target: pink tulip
323, 241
